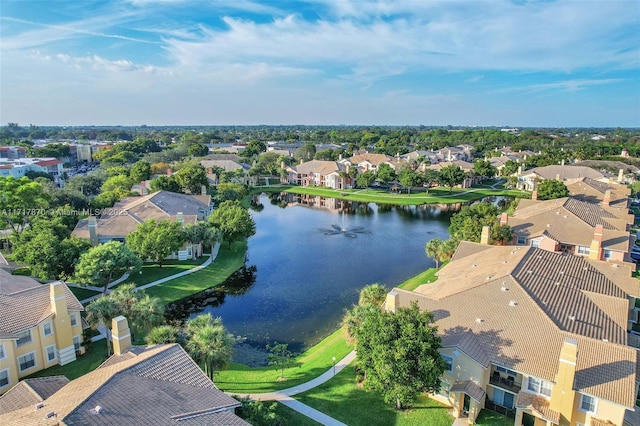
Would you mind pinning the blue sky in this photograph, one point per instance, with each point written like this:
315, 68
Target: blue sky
180, 62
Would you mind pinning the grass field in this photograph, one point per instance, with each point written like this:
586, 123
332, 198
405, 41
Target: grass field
425, 277
152, 272
227, 262
489, 418
81, 366
243, 379
83, 293
343, 400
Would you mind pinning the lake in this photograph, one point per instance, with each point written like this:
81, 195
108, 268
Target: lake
302, 271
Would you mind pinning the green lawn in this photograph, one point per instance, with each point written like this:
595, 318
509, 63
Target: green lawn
489, 418
293, 418
241, 379
83, 293
435, 195
343, 400
83, 365
227, 262
425, 277
152, 272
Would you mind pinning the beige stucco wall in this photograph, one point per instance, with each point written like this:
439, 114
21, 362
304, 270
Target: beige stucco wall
605, 410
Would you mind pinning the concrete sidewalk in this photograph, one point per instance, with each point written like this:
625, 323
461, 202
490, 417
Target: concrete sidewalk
212, 257
284, 395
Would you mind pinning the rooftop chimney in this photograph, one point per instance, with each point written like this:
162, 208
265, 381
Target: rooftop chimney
562, 395
65, 349
484, 237
301, 160
620, 175
595, 251
93, 230
392, 302
519, 170
180, 218
504, 219
203, 190
283, 165
606, 201
562, 163
534, 195
121, 335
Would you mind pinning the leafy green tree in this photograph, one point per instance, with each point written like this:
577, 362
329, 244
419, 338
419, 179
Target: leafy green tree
258, 413
305, 152
502, 234
551, 189
365, 179
88, 184
429, 177
510, 167
118, 182
399, 353
17, 197
484, 168
104, 263
156, 240
280, 356
100, 312
208, 343
198, 150
117, 171
409, 178
165, 183
373, 294
201, 232
230, 191
148, 312
254, 147
233, 221
108, 198
140, 171
451, 176
385, 173
192, 178
468, 222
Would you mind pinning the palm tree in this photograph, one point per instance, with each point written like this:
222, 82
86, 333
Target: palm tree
162, 334
147, 313
102, 311
373, 294
208, 343
433, 249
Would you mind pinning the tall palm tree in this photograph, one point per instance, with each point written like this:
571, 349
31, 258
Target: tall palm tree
373, 294
208, 343
433, 249
148, 312
102, 311
162, 334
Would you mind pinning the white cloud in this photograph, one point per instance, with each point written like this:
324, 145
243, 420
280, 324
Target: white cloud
564, 86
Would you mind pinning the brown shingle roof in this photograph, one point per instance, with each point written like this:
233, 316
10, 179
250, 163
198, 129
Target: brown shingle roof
22, 310
158, 386
371, 158
566, 172
513, 313
469, 388
317, 166
29, 392
538, 404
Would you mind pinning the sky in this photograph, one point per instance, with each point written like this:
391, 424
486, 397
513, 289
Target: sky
356, 62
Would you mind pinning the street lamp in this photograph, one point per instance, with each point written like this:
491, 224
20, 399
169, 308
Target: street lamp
334, 365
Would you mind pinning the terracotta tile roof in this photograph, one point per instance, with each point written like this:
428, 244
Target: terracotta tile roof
317, 166
513, 312
161, 385
469, 388
25, 309
46, 163
538, 404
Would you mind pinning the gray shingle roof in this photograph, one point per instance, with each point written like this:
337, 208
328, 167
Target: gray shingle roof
469, 388
29, 392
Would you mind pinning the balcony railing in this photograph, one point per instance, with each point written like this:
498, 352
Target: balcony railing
506, 384
491, 406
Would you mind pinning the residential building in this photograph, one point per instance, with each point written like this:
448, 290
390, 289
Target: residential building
569, 225
20, 167
330, 174
607, 195
124, 217
40, 326
13, 152
368, 162
529, 179
467, 167
533, 334
150, 385
240, 170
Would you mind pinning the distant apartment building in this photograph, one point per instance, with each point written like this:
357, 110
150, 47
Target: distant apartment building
20, 167
12, 152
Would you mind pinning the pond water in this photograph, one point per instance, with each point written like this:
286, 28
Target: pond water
308, 260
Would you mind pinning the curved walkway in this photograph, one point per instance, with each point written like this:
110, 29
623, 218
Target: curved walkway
284, 395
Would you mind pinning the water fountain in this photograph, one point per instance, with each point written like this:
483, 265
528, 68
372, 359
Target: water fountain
344, 230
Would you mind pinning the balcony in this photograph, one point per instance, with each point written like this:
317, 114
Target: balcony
507, 383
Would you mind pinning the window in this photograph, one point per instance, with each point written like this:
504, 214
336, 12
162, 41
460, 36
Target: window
522, 240
535, 243
580, 424
608, 254
76, 342
23, 338
507, 371
4, 378
583, 250
539, 386
588, 403
444, 388
503, 398
47, 329
448, 362
27, 361
51, 353
74, 319
2, 352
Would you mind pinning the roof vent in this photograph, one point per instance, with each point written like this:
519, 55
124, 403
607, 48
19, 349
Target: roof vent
615, 265
548, 225
513, 303
38, 406
572, 317
488, 277
586, 268
479, 320
529, 271
565, 216
51, 414
557, 211
504, 287
504, 261
474, 265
